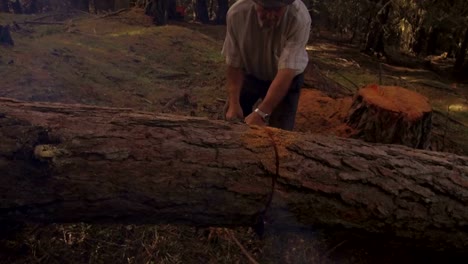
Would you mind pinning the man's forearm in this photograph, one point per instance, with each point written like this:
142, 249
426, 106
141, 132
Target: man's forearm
278, 89
235, 78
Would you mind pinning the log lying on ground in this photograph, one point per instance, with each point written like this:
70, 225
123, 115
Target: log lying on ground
69, 163
391, 115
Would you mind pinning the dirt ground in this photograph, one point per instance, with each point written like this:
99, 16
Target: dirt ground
125, 61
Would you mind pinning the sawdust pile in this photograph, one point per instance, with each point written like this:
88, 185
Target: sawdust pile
319, 113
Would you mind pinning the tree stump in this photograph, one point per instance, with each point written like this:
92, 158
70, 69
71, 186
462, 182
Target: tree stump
391, 115
5, 36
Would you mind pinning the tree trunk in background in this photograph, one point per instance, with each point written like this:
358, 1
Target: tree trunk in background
16, 6
4, 6
419, 42
70, 163
432, 41
103, 5
171, 9
158, 9
461, 54
201, 11
30, 7
223, 6
82, 5
120, 4
375, 42
5, 36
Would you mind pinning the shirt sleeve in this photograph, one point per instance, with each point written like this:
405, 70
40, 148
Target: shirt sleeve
294, 55
231, 49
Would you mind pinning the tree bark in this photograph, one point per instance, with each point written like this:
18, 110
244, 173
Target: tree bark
4, 6
201, 11
432, 41
103, 5
460, 60
120, 4
69, 163
158, 9
5, 36
223, 6
375, 42
30, 7
82, 5
391, 115
16, 6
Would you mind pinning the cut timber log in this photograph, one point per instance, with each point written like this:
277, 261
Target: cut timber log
70, 163
391, 115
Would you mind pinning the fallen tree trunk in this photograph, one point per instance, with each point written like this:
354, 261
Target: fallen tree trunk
69, 163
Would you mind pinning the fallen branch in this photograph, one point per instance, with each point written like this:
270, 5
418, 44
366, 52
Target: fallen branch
114, 13
181, 98
42, 23
242, 248
74, 163
347, 79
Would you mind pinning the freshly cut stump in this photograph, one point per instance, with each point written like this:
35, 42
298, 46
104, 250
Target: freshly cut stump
391, 115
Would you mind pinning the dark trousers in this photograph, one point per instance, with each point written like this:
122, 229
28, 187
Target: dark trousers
284, 115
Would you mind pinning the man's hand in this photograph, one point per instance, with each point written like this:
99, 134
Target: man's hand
234, 112
255, 119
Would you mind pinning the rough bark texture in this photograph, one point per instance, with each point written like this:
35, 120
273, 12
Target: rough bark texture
103, 5
461, 54
391, 115
221, 13
67, 163
16, 6
4, 6
201, 11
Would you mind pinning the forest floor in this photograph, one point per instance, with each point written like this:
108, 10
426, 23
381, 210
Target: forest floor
124, 61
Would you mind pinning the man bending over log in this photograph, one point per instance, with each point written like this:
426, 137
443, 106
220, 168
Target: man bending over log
266, 57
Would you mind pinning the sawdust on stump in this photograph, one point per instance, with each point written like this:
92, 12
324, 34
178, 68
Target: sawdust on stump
391, 115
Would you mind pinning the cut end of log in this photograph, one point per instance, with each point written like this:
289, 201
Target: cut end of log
396, 99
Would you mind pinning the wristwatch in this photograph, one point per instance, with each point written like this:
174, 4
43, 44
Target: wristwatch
263, 115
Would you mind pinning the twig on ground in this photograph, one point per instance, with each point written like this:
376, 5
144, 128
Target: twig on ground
334, 248
47, 16
344, 77
242, 248
114, 13
185, 97
42, 23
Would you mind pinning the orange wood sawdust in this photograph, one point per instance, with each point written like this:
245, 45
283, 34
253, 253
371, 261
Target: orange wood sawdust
396, 99
318, 113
